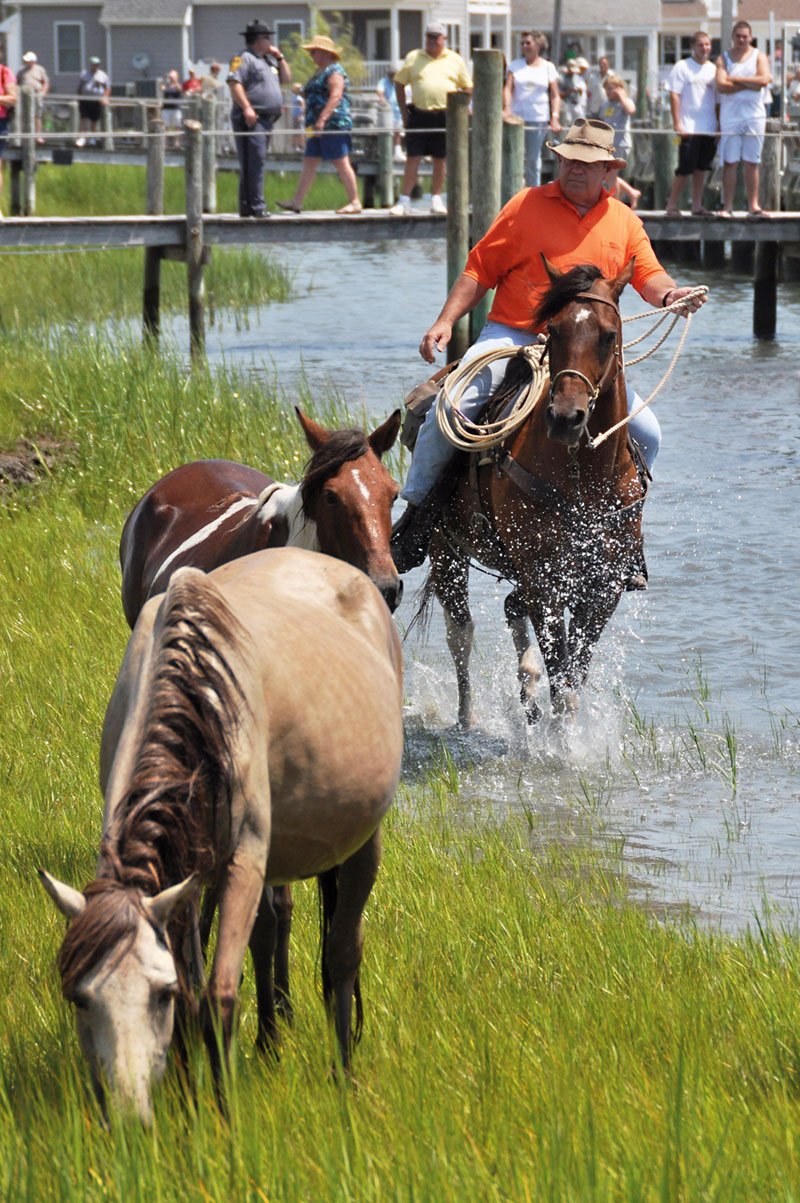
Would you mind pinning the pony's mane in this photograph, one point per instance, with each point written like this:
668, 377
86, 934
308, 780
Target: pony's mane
565, 289
343, 445
111, 916
180, 787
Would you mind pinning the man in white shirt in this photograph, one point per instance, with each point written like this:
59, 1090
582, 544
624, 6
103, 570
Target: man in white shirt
692, 94
531, 92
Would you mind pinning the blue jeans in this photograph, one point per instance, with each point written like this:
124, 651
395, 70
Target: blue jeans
535, 137
433, 451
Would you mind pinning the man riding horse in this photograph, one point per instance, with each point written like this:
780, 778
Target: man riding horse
571, 221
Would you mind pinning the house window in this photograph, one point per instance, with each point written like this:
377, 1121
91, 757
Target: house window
69, 47
630, 52
454, 37
669, 51
283, 34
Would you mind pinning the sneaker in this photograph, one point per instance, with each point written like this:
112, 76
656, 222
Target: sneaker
399, 154
402, 208
80, 141
438, 205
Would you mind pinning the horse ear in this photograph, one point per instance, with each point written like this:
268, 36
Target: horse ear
553, 272
624, 277
69, 901
383, 437
316, 436
163, 906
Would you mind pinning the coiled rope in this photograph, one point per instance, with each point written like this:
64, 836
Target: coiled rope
467, 435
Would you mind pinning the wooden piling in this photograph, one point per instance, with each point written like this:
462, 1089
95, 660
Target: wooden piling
487, 147
107, 123
28, 130
154, 205
765, 280
193, 141
664, 161
513, 172
209, 121
457, 206
385, 156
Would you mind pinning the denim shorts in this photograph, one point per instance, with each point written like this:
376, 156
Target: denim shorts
329, 146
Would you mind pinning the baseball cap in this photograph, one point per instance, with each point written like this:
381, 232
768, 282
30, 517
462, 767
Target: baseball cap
435, 29
29, 57
94, 59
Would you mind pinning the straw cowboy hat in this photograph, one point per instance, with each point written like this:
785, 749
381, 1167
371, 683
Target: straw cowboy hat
320, 42
589, 140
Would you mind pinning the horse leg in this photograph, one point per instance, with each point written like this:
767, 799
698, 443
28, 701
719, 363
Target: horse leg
240, 894
529, 667
451, 585
587, 624
283, 904
210, 899
263, 940
551, 634
343, 941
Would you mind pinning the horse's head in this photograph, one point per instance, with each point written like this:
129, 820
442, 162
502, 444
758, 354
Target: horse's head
118, 971
349, 493
582, 320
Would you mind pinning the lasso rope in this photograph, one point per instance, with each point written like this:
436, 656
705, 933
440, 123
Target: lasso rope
466, 435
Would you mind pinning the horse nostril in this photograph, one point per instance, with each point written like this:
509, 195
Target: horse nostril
392, 594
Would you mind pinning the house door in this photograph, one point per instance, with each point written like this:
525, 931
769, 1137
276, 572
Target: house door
379, 39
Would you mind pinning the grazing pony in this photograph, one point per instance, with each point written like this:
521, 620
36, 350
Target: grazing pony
254, 736
207, 512
545, 508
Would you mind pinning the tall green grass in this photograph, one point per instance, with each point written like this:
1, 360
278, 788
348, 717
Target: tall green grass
530, 1032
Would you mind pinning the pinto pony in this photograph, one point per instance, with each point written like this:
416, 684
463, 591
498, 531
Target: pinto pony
545, 508
208, 512
254, 736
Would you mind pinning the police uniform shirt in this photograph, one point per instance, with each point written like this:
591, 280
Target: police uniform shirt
260, 80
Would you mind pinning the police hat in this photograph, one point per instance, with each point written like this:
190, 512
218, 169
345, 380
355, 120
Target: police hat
256, 29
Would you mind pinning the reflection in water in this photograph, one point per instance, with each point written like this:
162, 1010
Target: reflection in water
688, 743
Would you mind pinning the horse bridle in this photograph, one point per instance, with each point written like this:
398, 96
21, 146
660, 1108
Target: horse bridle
614, 362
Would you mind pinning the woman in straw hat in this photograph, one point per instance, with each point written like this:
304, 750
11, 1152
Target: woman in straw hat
328, 123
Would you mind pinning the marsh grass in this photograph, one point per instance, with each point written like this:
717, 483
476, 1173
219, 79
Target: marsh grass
530, 1032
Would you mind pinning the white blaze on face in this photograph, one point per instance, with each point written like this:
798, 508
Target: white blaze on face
125, 1011
361, 486
582, 315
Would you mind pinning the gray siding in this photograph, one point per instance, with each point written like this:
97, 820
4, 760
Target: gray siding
39, 34
216, 29
411, 36
161, 42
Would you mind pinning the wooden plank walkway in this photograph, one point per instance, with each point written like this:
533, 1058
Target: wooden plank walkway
373, 225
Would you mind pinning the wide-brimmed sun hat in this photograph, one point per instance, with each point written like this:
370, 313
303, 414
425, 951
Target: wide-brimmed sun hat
590, 141
320, 42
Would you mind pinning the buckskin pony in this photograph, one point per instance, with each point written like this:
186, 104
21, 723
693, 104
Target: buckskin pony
557, 516
254, 735
209, 512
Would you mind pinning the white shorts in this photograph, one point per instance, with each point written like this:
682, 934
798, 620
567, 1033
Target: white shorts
733, 147
172, 118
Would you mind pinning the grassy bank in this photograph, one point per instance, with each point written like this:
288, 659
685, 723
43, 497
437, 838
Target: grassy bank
530, 1033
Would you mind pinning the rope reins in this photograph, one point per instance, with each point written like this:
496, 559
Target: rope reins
467, 435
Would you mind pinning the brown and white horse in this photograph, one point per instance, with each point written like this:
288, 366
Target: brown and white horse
548, 510
254, 736
208, 512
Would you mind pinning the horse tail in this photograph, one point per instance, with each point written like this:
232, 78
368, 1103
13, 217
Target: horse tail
423, 599
328, 890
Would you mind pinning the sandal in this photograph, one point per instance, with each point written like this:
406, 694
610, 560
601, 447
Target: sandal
758, 215
725, 213
703, 212
351, 207
290, 206
672, 213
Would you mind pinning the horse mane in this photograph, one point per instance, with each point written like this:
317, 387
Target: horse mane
180, 786
565, 289
338, 449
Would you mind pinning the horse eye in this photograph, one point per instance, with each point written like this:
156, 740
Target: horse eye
80, 1002
165, 996
330, 497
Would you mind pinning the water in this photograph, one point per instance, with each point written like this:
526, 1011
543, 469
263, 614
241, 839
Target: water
688, 744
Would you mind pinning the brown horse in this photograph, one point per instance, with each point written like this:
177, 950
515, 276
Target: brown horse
546, 509
254, 735
211, 511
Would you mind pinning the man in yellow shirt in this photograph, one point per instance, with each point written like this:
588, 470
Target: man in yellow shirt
432, 73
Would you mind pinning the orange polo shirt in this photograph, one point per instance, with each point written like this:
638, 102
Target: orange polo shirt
542, 220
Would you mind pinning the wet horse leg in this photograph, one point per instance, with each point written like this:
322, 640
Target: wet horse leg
587, 623
451, 585
529, 667
547, 617
343, 939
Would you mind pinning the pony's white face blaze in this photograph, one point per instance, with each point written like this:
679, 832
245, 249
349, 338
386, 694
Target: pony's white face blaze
125, 1013
582, 315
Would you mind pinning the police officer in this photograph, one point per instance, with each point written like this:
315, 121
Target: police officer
255, 79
